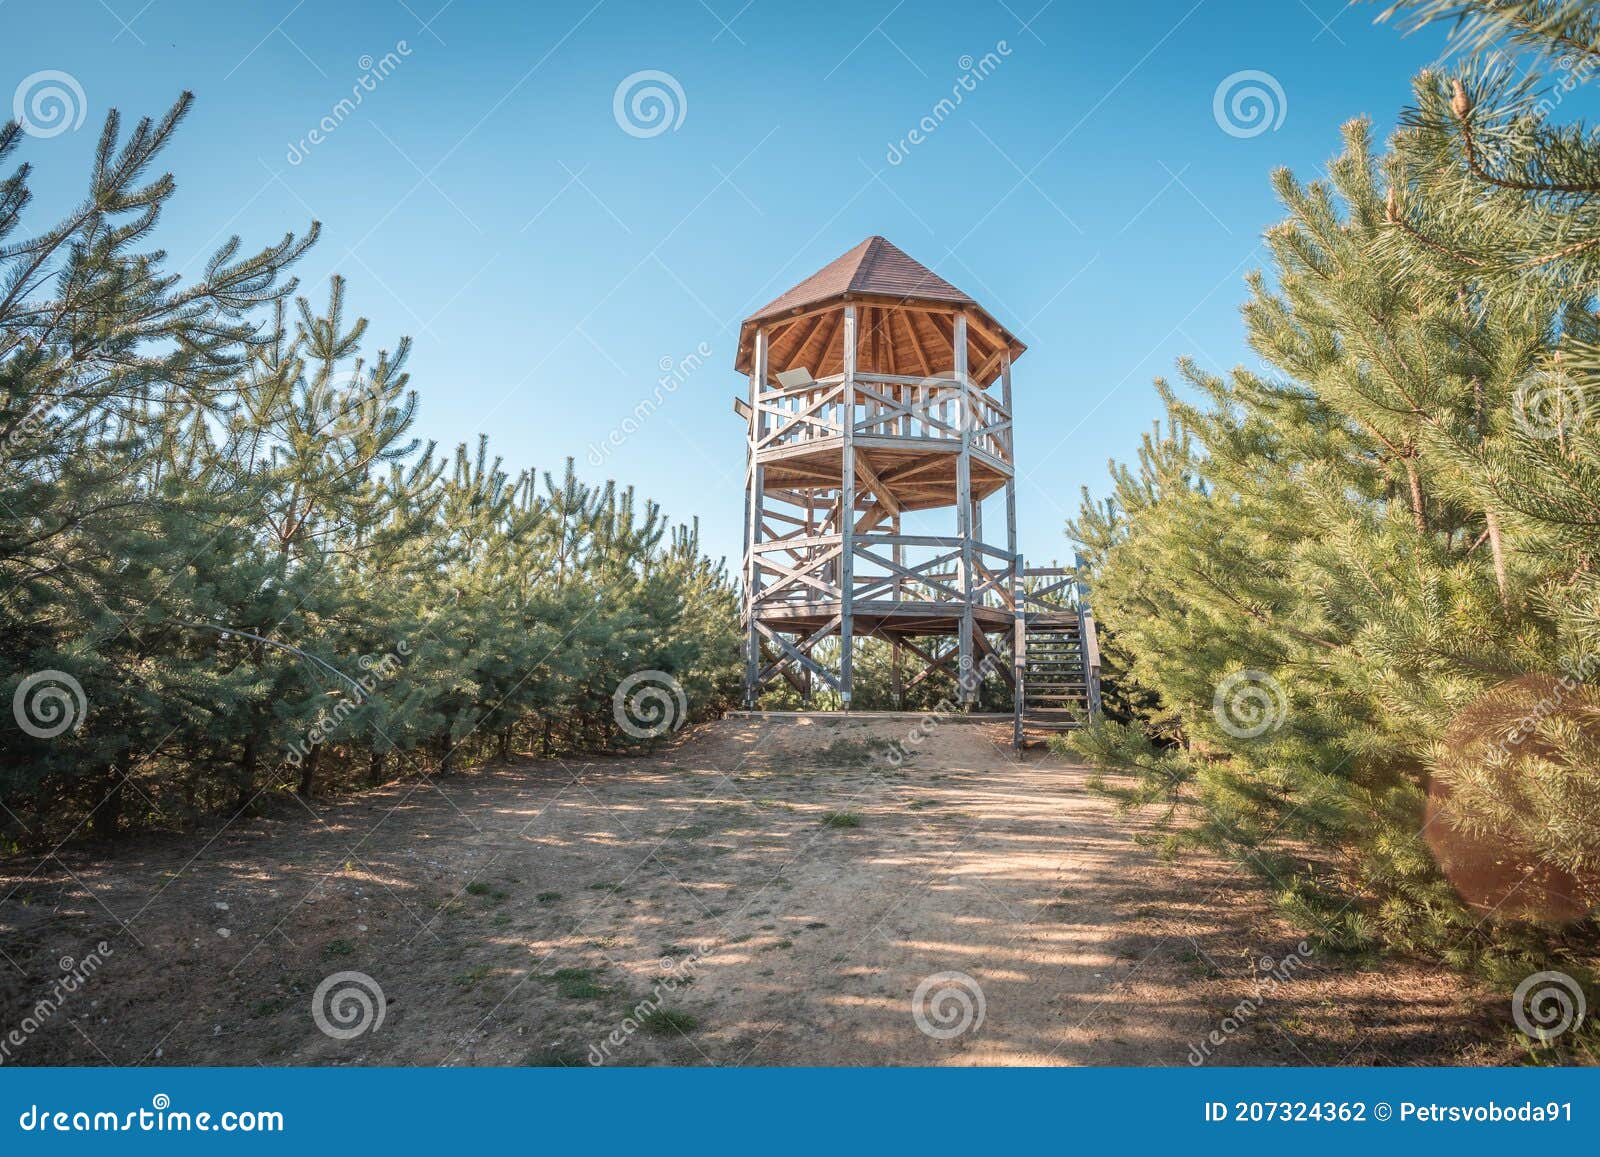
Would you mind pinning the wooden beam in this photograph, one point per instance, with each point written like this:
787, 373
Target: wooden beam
834, 320
880, 491
847, 503
964, 509
916, 344
755, 484
799, 653
797, 354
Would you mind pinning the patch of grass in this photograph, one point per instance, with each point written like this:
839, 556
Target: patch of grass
479, 888
816, 924
841, 820
548, 897
854, 752
578, 983
334, 949
1202, 965
604, 886
676, 950
270, 1007
840, 753
472, 977
669, 1022
501, 921
784, 943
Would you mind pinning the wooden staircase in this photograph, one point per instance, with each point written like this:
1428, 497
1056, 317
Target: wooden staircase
1056, 670
1055, 678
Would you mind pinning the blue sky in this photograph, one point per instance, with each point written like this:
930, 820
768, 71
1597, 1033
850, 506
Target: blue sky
484, 198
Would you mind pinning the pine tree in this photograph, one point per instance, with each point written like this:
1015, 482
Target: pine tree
219, 530
1325, 571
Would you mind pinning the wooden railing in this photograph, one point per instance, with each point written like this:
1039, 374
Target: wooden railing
884, 406
925, 570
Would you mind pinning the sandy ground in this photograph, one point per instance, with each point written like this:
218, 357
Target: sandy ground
519, 915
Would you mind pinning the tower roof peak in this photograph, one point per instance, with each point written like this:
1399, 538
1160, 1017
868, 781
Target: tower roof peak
881, 275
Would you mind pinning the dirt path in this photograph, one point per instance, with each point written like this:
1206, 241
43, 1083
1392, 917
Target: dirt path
781, 889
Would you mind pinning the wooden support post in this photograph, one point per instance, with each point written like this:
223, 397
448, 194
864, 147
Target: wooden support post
899, 559
896, 675
1019, 652
811, 529
965, 682
1019, 624
754, 505
847, 512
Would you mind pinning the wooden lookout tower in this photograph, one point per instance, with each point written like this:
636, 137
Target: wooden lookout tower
880, 394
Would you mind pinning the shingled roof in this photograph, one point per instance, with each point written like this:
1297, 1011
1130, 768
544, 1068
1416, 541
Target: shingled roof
873, 267
882, 277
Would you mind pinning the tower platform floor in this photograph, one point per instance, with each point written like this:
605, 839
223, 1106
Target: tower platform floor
886, 617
